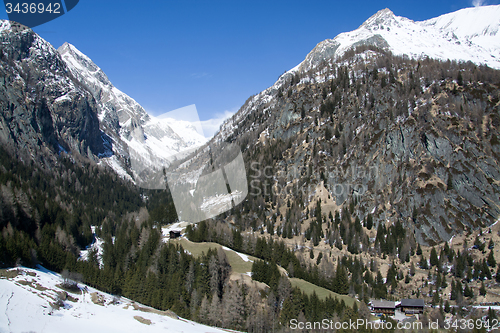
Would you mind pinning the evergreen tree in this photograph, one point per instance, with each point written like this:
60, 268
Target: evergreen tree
341, 281
423, 262
460, 79
328, 133
491, 314
447, 306
491, 259
482, 290
369, 222
434, 260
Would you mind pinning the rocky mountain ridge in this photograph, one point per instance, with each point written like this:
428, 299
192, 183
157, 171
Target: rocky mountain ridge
45, 111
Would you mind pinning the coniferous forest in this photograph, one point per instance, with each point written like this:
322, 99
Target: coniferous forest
53, 223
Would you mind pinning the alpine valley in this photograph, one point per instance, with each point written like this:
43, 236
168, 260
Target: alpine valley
373, 172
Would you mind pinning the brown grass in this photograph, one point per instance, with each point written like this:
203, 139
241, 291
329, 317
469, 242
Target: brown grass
142, 320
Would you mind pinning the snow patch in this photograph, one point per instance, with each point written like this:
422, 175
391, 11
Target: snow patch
242, 255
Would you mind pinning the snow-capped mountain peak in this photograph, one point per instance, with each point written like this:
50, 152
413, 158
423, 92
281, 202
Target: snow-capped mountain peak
382, 17
138, 138
470, 34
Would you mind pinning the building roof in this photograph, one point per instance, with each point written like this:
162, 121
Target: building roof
412, 302
384, 304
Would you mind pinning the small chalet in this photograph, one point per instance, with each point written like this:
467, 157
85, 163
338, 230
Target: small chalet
175, 234
384, 307
412, 306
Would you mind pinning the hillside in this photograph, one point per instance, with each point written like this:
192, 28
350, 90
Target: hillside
52, 308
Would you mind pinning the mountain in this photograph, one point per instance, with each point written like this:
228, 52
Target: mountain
391, 120
470, 34
45, 111
56, 101
140, 142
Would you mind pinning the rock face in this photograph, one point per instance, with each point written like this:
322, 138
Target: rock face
44, 109
392, 135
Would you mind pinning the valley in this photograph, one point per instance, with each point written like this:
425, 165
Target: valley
369, 172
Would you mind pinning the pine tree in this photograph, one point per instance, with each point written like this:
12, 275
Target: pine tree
233, 306
491, 314
434, 260
341, 281
436, 299
449, 184
453, 293
423, 262
491, 259
369, 222
214, 312
482, 290
460, 79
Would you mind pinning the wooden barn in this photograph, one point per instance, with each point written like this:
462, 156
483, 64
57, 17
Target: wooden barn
384, 307
412, 306
175, 234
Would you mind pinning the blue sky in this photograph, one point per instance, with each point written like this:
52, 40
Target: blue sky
215, 54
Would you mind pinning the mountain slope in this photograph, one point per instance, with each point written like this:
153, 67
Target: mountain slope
399, 138
140, 141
